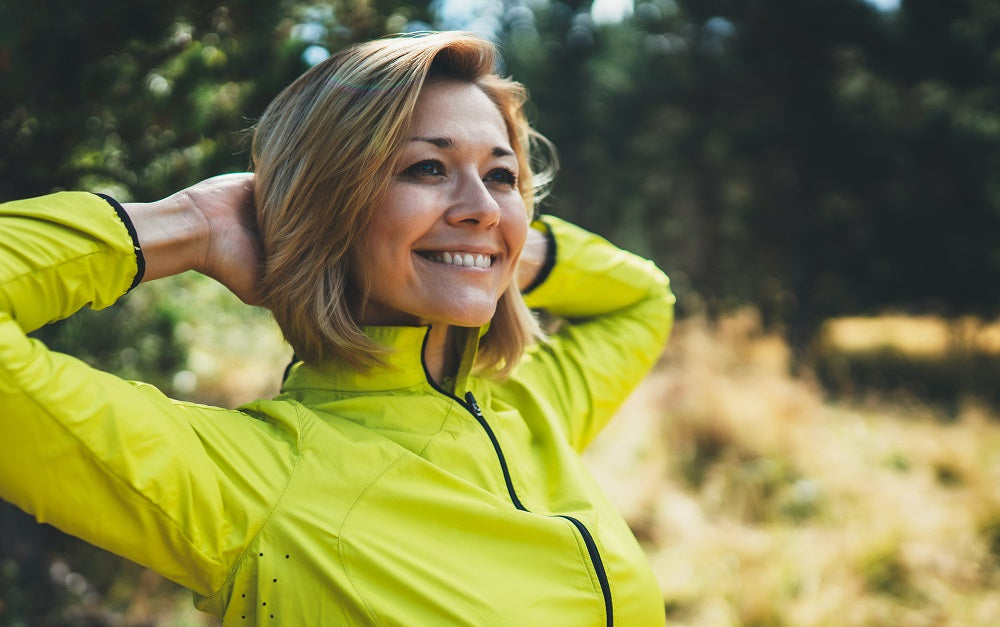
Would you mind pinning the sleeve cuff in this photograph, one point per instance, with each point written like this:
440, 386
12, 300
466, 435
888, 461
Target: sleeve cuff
140, 260
550, 257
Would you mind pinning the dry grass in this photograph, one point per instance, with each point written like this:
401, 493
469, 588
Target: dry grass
761, 503
914, 336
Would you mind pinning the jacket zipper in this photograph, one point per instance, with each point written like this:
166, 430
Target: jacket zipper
472, 407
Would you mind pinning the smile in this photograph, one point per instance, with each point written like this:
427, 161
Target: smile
465, 260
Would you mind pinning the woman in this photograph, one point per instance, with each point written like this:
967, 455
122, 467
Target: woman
420, 465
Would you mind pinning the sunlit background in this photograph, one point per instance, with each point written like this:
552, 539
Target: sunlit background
820, 444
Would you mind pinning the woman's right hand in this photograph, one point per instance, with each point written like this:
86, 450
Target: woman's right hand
209, 227
232, 254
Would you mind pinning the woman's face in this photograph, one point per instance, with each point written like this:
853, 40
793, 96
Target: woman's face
444, 241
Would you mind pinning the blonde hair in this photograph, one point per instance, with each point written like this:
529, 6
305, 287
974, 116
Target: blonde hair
324, 152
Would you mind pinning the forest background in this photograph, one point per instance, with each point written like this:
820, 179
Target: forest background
818, 178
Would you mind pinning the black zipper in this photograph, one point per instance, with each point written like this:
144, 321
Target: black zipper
472, 407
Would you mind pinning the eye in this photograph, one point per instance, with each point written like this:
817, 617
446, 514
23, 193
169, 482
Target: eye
431, 167
504, 176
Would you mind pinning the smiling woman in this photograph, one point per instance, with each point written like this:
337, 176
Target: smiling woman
420, 465
362, 143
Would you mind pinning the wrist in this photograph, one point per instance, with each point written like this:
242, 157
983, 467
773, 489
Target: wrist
536, 258
172, 234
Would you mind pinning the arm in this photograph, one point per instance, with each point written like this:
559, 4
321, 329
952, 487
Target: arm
65, 251
174, 486
619, 312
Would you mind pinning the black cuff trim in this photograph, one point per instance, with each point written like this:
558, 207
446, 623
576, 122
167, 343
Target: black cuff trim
550, 262
140, 260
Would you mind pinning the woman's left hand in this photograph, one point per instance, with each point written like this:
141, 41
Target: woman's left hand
536, 250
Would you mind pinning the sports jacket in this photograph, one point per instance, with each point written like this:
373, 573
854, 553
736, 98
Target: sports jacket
351, 498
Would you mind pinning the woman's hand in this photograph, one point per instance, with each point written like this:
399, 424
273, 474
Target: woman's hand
536, 249
209, 227
232, 254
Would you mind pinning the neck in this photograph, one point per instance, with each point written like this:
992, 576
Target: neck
440, 353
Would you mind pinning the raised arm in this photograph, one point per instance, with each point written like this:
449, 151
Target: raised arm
618, 309
175, 486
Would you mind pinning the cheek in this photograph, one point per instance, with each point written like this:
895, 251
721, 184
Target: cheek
383, 233
366, 256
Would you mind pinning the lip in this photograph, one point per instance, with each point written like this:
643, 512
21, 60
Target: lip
492, 251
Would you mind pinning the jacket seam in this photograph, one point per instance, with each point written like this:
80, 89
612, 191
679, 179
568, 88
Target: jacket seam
581, 547
433, 436
343, 523
238, 562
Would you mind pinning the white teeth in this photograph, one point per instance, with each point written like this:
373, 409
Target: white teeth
466, 260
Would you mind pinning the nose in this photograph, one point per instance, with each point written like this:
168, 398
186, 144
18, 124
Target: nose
473, 205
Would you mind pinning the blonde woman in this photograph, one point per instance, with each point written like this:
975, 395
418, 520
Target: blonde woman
420, 465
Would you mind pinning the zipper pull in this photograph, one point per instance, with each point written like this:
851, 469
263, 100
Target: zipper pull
473, 405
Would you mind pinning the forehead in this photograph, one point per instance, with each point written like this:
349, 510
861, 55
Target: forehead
460, 111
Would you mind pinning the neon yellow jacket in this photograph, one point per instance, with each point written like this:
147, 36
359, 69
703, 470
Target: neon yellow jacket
349, 499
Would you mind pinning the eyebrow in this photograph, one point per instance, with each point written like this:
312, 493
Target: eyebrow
447, 143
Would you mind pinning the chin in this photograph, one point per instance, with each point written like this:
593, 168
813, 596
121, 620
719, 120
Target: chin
472, 323
471, 319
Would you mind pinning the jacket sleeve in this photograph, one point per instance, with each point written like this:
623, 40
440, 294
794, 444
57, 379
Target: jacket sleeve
175, 486
618, 312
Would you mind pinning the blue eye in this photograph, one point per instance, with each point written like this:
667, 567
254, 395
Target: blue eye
425, 168
502, 176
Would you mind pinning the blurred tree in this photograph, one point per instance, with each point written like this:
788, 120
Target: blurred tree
941, 218
132, 102
813, 157
143, 102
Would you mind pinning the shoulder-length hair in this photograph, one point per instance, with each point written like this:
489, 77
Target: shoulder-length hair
324, 153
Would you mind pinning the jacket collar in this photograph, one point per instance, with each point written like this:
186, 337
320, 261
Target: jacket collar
403, 368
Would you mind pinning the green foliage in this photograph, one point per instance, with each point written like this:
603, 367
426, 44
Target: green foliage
813, 158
